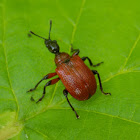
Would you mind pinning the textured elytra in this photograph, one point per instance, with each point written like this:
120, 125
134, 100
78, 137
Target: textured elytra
77, 78
106, 31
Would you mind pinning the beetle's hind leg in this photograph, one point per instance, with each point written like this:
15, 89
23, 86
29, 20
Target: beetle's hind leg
51, 82
50, 75
101, 88
90, 62
65, 92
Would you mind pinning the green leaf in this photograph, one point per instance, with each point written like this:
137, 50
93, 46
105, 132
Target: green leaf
106, 31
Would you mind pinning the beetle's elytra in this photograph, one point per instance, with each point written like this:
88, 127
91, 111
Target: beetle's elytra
77, 78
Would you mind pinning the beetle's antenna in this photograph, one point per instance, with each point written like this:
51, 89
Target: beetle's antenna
50, 28
37, 35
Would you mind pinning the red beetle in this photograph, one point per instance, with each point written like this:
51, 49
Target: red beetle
77, 78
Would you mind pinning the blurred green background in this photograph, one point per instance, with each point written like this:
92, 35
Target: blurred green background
104, 30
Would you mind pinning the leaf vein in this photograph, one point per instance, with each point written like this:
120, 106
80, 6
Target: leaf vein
131, 50
6, 61
53, 94
134, 112
5, 87
117, 74
63, 13
38, 132
52, 108
102, 114
77, 21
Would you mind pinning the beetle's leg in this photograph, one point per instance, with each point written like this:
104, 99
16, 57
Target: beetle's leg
90, 62
65, 92
76, 51
51, 82
50, 75
101, 88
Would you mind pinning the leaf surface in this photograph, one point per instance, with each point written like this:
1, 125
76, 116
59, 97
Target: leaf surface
106, 31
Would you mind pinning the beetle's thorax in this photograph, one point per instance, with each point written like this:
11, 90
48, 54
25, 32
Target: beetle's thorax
61, 58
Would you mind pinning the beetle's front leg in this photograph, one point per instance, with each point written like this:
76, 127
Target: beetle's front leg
51, 82
90, 62
101, 88
65, 92
50, 75
76, 51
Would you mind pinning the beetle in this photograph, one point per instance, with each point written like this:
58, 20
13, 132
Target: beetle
77, 78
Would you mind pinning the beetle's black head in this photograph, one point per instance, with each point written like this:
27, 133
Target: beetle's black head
50, 44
